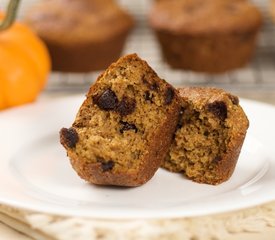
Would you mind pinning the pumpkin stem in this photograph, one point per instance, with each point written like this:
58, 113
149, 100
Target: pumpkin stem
10, 15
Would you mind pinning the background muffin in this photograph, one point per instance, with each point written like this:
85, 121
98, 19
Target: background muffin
206, 35
272, 9
81, 35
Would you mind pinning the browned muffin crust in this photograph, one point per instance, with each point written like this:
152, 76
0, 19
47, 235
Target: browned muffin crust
209, 137
124, 128
206, 35
82, 36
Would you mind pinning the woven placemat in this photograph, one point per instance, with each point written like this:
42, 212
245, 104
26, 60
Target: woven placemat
252, 223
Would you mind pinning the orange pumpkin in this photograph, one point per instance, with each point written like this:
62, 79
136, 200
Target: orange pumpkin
25, 64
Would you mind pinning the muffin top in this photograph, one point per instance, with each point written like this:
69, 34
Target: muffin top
220, 103
205, 16
78, 21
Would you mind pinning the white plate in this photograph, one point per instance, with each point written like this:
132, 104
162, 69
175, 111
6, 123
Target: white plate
36, 174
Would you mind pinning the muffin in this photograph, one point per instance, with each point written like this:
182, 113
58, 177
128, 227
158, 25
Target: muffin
209, 137
272, 9
81, 35
211, 36
124, 128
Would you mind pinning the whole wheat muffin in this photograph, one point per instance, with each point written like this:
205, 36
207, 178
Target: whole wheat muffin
81, 35
206, 35
124, 128
209, 137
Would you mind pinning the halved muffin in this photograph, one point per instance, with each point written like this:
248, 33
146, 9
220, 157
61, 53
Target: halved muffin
124, 128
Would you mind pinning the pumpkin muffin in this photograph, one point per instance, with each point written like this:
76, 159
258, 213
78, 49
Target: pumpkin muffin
210, 36
124, 128
272, 9
209, 137
81, 35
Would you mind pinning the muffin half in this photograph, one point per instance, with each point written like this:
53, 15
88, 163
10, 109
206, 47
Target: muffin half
124, 128
209, 137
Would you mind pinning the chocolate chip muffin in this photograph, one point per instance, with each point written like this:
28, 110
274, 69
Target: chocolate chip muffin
209, 137
211, 36
124, 128
81, 35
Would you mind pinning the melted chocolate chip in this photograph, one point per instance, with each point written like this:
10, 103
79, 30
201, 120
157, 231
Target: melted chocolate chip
169, 96
107, 100
69, 137
126, 106
127, 126
219, 109
107, 166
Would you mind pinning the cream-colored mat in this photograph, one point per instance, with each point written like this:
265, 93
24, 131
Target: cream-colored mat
8, 233
256, 223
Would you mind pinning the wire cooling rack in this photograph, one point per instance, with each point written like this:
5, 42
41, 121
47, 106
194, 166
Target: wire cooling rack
259, 75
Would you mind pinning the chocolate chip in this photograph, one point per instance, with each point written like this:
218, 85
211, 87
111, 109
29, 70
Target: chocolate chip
127, 126
148, 96
169, 96
107, 100
126, 106
107, 166
219, 109
216, 159
234, 99
68, 137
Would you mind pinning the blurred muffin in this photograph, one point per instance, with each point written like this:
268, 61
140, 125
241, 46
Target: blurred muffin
81, 35
272, 9
206, 35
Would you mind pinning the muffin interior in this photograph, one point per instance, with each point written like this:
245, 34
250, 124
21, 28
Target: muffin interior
200, 141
